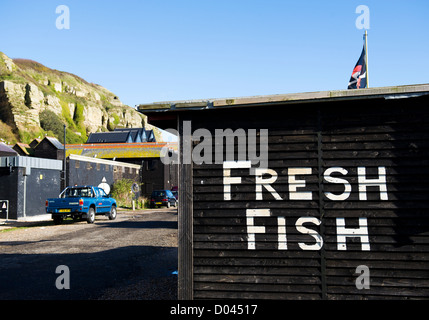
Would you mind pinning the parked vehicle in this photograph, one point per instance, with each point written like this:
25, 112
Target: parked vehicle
81, 202
175, 192
162, 198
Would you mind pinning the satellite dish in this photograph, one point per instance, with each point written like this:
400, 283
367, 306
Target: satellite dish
104, 185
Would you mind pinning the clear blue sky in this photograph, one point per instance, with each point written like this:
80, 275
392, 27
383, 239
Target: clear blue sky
148, 51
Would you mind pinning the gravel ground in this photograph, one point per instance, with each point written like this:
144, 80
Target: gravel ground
135, 257
164, 288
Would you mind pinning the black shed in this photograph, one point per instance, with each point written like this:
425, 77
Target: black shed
26, 182
49, 148
320, 195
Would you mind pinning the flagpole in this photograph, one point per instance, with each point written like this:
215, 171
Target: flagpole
366, 58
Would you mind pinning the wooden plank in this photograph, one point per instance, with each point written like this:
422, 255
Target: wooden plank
254, 271
212, 294
185, 225
268, 279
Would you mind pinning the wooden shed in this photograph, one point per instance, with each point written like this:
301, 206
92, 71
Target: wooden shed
321, 195
49, 148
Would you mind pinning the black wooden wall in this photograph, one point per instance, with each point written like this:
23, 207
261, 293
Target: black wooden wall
388, 138
40, 185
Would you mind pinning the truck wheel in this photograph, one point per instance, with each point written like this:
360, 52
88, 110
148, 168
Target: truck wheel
112, 214
90, 215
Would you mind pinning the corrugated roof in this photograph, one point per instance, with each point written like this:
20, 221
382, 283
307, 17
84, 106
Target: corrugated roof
109, 137
55, 142
136, 133
145, 135
31, 162
139, 130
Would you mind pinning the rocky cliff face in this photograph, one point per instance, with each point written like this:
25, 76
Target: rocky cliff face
36, 100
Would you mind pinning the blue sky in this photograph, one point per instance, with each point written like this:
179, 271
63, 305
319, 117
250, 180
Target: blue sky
147, 51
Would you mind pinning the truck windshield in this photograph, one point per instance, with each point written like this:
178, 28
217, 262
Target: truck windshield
78, 192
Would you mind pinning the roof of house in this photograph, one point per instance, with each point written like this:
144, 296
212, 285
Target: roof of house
22, 148
5, 150
394, 92
136, 133
150, 136
122, 135
110, 137
54, 142
138, 130
35, 142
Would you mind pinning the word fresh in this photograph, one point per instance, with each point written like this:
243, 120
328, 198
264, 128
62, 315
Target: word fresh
297, 185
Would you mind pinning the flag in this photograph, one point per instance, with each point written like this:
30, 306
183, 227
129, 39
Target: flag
358, 78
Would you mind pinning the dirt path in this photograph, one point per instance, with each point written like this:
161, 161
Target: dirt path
132, 257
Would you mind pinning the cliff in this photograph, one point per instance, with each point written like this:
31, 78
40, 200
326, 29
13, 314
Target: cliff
36, 100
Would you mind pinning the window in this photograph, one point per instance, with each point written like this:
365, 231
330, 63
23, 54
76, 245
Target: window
78, 192
158, 194
102, 193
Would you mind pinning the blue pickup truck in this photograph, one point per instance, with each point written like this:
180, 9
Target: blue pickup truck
81, 202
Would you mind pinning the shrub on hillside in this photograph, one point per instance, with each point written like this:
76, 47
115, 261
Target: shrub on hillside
49, 121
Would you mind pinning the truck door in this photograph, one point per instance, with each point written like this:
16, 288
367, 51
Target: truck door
104, 200
98, 201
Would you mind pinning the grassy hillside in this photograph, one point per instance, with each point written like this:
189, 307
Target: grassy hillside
36, 101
